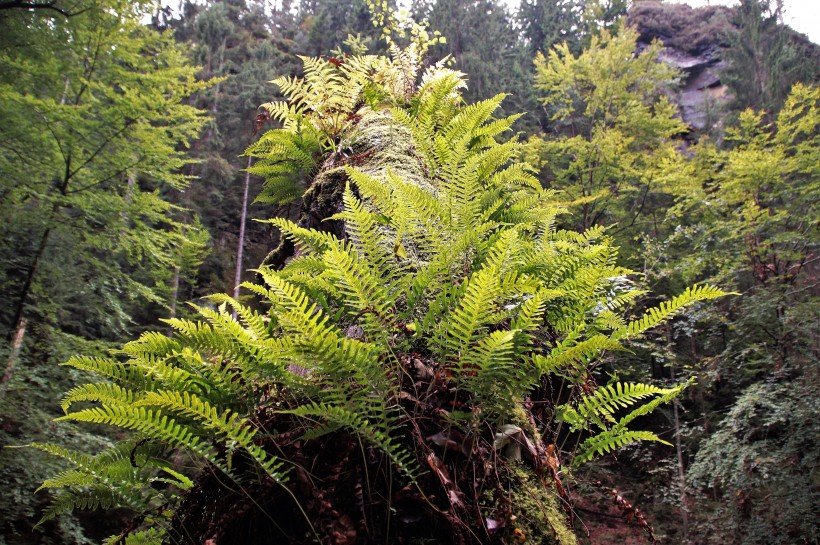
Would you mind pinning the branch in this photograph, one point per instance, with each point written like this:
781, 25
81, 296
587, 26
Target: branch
22, 4
102, 146
106, 179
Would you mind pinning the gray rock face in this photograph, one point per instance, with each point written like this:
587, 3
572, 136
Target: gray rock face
694, 39
701, 92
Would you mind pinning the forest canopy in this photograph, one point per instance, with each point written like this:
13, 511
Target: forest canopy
562, 315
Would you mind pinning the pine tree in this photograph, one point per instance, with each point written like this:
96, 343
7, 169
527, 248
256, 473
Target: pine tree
766, 58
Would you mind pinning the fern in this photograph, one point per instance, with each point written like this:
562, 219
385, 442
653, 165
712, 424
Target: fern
453, 262
610, 440
599, 408
151, 536
375, 434
667, 309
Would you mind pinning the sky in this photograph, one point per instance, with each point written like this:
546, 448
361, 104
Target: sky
801, 15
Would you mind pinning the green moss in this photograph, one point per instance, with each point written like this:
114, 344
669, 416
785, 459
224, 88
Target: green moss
387, 145
537, 510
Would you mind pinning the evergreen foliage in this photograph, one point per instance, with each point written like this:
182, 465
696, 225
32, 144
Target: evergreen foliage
766, 58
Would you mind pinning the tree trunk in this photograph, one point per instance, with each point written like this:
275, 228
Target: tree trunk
174, 296
16, 346
241, 244
684, 500
215, 105
26, 289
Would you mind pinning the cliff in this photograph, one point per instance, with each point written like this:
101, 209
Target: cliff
696, 41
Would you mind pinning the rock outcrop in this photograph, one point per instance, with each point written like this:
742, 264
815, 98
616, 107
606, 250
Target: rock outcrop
694, 40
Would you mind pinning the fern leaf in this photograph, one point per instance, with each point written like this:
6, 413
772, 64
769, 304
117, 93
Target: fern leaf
667, 309
611, 440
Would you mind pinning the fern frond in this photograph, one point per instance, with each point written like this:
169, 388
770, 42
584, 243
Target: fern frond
150, 536
365, 235
667, 309
90, 498
364, 293
608, 399
667, 396
360, 425
128, 374
308, 239
151, 423
571, 354
255, 323
102, 392
466, 324
227, 424
611, 440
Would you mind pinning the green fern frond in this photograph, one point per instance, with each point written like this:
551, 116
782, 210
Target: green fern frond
227, 424
102, 392
106, 480
667, 309
363, 292
574, 355
308, 239
608, 399
128, 374
176, 479
609, 441
466, 324
647, 408
67, 479
152, 423
365, 235
90, 498
255, 323
372, 433
151, 536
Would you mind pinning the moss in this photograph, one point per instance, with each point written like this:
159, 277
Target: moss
377, 145
389, 146
539, 517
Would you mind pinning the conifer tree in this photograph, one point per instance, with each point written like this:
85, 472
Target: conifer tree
765, 58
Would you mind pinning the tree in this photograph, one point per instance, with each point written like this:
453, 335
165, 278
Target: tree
330, 22
92, 152
245, 47
765, 57
743, 220
469, 28
547, 23
426, 335
612, 138
94, 122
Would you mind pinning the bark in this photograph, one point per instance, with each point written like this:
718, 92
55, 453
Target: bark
16, 346
174, 296
215, 106
684, 501
241, 244
26, 289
